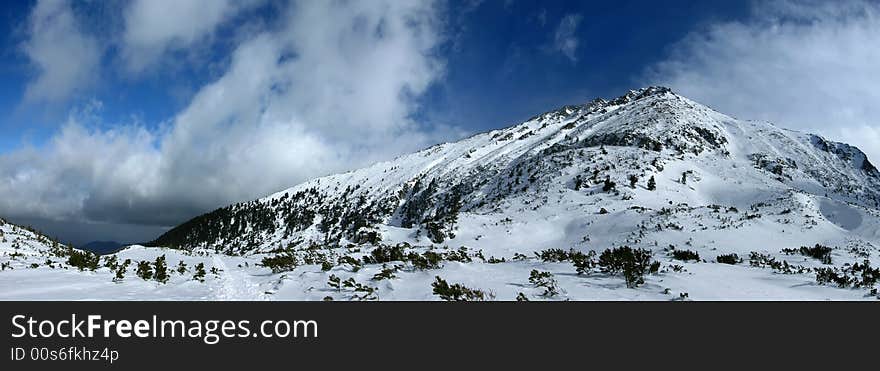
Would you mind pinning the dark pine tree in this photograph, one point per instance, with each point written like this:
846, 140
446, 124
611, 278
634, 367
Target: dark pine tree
609, 185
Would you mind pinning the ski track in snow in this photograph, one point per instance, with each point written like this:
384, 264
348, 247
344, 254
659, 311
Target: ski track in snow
236, 285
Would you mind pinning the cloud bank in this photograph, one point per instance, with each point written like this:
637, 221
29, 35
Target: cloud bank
332, 88
811, 66
64, 58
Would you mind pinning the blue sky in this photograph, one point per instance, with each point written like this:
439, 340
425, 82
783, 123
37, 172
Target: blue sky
504, 56
122, 118
500, 56
150, 98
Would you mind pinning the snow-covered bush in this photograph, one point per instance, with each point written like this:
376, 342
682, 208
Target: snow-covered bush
634, 264
427, 260
361, 291
334, 282
729, 259
856, 275
552, 255
387, 273
181, 267
120, 271
609, 185
685, 255
544, 280
111, 262
458, 292
584, 263
83, 260
385, 254
326, 266
780, 266
821, 252
354, 263
494, 260
199, 275
161, 269
280, 263
144, 270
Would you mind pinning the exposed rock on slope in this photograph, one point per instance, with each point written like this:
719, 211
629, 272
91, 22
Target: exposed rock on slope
549, 176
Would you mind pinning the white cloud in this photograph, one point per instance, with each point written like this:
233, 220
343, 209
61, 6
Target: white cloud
64, 57
332, 89
564, 40
76, 166
808, 66
155, 27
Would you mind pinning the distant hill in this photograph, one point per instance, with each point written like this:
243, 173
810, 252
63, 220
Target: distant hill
102, 247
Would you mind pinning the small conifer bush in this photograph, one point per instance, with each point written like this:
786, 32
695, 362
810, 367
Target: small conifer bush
634, 264
457, 292
144, 270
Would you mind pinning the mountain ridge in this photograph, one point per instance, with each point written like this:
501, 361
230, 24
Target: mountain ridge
650, 125
647, 196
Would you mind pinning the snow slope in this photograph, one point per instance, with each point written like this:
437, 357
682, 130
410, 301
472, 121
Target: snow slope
573, 178
20, 247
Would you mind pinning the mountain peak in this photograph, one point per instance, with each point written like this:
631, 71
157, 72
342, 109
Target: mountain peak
652, 118
600, 103
573, 156
648, 170
637, 94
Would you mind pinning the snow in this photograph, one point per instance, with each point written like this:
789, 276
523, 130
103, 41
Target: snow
235, 284
749, 187
701, 281
840, 214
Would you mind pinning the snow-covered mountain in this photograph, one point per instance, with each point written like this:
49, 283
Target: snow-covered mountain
540, 184
21, 247
729, 209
